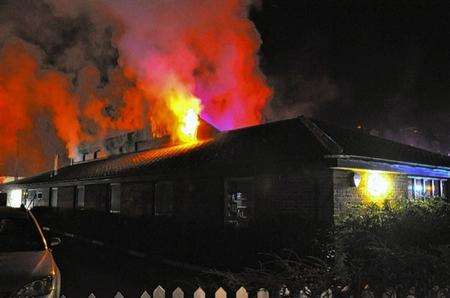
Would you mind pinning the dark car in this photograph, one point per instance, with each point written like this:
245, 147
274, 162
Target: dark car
27, 267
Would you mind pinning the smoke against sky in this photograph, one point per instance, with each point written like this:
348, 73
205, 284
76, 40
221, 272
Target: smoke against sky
381, 65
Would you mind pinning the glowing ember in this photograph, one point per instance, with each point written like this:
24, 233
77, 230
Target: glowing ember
186, 109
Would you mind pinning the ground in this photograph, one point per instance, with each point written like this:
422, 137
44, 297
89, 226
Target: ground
87, 268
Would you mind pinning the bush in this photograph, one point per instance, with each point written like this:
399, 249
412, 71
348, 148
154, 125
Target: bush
404, 244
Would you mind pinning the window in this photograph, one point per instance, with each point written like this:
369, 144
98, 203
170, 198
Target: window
426, 187
164, 198
15, 198
238, 200
80, 197
53, 197
436, 188
444, 189
115, 198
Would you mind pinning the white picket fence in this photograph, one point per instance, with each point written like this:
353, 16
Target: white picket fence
159, 292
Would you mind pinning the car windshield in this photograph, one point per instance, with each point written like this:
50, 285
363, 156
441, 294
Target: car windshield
19, 234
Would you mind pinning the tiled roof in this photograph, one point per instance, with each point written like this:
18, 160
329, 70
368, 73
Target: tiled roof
298, 138
358, 143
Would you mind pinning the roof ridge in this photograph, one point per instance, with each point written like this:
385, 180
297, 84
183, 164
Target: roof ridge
328, 142
384, 139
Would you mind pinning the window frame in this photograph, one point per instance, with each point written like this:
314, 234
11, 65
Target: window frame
423, 181
80, 200
114, 207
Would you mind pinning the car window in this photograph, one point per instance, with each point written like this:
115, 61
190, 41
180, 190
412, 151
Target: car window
19, 234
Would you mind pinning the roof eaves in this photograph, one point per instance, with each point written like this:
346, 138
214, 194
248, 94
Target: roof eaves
375, 159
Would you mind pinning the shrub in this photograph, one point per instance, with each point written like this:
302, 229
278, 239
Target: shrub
404, 244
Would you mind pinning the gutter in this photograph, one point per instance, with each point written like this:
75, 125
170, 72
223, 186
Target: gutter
375, 159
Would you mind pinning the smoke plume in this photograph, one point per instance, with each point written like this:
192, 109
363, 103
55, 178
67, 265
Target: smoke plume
77, 71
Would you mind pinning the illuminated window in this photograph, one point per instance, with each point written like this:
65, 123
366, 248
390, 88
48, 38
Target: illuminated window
164, 198
15, 199
436, 188
426, 187
444, 188
238, 200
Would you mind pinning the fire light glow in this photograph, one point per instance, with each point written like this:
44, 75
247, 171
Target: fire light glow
186, 109
378, 186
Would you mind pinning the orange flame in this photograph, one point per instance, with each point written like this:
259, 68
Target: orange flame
186, 109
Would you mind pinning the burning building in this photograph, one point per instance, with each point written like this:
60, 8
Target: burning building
301, 167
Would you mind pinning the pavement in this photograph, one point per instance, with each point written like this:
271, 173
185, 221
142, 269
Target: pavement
91, 268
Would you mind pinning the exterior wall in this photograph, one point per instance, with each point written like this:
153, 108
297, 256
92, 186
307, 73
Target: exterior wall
294, 189
96, 197
137, 198
66, 196
201, 200
307, 194
32, 200
345, 193
195, 199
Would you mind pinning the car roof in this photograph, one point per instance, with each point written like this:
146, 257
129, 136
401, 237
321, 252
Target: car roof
13, 212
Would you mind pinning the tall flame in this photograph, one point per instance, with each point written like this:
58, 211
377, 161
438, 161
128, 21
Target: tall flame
186, 109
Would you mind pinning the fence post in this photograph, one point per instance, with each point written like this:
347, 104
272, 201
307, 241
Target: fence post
145, 295
199, 293
178, 293
220, 293
241, 293
262, 293
159, 292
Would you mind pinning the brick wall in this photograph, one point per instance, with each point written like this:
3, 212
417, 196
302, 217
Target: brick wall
201, 200
96, 197
137, 198
65, 197
307, 193
345, 193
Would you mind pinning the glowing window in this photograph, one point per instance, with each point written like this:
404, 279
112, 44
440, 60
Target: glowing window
15, 198
436, 188
418, 188
426, 187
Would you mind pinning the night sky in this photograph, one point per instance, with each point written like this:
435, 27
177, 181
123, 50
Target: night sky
382, 65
